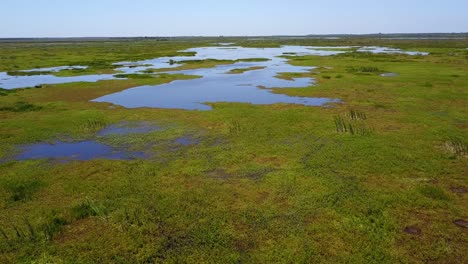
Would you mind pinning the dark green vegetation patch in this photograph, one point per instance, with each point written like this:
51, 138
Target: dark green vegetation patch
21, 107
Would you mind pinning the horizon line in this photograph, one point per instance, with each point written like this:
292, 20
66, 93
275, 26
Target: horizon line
242, 36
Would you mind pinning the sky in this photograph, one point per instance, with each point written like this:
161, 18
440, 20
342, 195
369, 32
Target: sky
129, 18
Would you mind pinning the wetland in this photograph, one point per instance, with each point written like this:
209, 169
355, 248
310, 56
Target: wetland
234, 150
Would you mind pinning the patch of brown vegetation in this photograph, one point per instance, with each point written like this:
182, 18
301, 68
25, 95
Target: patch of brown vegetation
412, 230
461, 223
459, 190
220, 174
272, 161
81, 230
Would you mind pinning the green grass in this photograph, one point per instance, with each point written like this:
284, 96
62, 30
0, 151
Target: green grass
21, 107
198, 64
21, 189
4, 92
365, 70
265, 184
134, 76
86, 209
19, 73
240, 71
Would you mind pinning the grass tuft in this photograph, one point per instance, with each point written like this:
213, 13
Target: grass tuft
21, 107
434, 192
234, 127
347, 124
21, 190
30, 228
340, 124
88, 208
364, 69
52, 227
93, 125
356, 115
456, 147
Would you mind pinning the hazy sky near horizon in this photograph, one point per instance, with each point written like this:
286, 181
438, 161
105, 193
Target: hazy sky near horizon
89, 18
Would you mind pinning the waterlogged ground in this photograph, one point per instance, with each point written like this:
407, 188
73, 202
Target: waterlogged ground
110, 143
218, 84
91, 149
377, 177
83, 150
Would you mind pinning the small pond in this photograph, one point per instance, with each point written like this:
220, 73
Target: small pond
83, 150
90, 149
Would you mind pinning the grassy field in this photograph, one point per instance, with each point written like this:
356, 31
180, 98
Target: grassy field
379, 178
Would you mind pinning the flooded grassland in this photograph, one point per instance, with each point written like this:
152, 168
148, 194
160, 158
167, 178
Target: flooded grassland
233, 151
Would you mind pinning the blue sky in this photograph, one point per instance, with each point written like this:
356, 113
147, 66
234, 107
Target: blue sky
79, 18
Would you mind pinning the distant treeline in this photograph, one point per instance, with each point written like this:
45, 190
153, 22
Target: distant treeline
225, 38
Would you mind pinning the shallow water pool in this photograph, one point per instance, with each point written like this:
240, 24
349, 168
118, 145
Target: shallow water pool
83, 150
252, 84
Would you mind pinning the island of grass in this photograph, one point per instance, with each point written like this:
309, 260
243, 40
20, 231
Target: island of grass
200, 64
242, 70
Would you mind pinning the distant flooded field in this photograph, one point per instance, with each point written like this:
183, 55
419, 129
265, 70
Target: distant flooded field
258, 70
